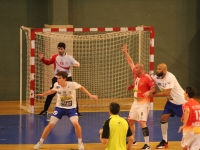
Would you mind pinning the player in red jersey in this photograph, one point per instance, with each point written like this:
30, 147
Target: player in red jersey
62, 62
191, 121
143, 87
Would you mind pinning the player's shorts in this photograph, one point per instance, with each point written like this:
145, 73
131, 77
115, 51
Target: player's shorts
173, 109
139, 112
192, 141
59, 112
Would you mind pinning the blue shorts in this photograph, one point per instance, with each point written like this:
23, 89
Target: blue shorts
59, 112
173, 109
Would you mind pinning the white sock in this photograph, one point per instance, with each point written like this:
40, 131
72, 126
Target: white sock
146, 140
80, 140
164, 128
41, 140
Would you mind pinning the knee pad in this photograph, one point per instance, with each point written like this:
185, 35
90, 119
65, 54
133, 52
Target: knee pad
145, 131
163, 122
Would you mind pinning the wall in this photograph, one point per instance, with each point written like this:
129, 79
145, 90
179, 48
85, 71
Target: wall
176, 25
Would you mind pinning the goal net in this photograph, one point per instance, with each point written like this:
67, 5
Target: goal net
103, 69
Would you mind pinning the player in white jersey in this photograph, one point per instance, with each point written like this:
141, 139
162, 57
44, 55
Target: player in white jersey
62, 62
170, 89
66, 105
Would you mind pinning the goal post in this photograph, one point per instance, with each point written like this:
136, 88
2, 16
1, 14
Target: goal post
103, 68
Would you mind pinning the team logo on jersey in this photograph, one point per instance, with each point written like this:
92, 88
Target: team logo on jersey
63, 98
119, 123
159, 84
64, 92
57, 87
59, 92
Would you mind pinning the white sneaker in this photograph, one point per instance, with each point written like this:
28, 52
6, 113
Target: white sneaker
38, 145
80, 146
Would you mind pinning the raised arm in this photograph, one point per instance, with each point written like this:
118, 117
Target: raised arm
45, 61
128, 58
84, 90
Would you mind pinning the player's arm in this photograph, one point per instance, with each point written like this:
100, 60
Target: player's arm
128, 58
150, 92
186, 114
74, 62
76, 65
163, 93
103, 140
105, 132
46, 93
84, 90
46, 61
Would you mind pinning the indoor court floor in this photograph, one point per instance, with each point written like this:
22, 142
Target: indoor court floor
20, 130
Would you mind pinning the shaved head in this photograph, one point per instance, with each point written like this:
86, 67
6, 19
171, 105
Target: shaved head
161, 70
163, 66
140, 65
139, 69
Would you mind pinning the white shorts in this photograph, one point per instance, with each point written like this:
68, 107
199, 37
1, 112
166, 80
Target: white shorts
139, 112
191, 141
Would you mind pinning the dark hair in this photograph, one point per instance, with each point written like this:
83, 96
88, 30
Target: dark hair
63, 74
114, 108
61, 44
191, 91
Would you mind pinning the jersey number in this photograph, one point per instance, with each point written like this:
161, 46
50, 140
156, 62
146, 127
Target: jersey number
197, 112
66, 103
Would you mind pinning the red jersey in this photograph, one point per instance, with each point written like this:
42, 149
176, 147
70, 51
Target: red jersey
61, 63
142, 84
193, 123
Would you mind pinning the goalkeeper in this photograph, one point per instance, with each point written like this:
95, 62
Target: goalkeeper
62, 62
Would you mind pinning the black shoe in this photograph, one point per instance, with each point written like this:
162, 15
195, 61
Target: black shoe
134, 143
43, 113
79, 115
146, 147
162, 144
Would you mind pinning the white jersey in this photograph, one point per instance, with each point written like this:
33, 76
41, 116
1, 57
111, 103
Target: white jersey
170, 82
61, 63
66, 96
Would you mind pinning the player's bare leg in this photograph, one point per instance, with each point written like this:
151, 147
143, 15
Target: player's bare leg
132, 127
78, 131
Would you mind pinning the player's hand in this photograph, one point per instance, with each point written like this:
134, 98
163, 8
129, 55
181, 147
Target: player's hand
41, 55
180, 128
94, 96
130, 87
124, 50
146, 94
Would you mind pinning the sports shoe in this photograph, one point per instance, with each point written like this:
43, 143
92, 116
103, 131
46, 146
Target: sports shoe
146, 147
134, 143
162, 144
43, 113
80, 146
38, 145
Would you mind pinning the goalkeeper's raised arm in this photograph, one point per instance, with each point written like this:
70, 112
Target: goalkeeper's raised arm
128, 58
